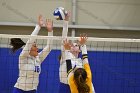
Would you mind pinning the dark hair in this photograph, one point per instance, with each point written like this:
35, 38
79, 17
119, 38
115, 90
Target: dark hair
80, 76
59, 57
16, 43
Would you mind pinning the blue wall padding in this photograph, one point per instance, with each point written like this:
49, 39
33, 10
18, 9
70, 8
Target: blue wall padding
113, 72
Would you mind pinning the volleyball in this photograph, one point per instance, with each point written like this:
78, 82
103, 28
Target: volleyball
59, 13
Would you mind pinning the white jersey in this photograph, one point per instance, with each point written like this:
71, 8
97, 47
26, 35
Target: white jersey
76, 62
29, 69
29, 66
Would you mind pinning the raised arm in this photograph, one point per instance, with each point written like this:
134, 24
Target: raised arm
82, 41
43, 54
27, 48
64, 35
67, 46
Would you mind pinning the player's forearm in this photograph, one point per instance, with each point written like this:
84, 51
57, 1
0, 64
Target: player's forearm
65, 29
29, 43
36, 30
43, 54
64, 36
84, 54
50, 41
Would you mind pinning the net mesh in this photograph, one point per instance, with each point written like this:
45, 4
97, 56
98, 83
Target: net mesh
114, 64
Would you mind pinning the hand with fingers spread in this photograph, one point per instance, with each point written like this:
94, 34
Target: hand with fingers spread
49, 25
67, 44
83, 39
40, 21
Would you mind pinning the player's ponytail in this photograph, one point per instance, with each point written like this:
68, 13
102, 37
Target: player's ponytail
80, 76
16, 43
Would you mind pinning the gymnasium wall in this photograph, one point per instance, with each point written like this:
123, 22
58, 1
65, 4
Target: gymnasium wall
19, 30
111, 13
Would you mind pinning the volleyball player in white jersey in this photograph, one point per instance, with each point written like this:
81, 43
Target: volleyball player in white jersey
64, 87
30, 59
79, 73
76, 62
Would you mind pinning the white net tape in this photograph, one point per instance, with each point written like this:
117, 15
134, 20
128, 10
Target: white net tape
93, 43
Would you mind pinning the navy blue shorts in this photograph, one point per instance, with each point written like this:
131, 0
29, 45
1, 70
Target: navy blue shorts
16, 90
64, 88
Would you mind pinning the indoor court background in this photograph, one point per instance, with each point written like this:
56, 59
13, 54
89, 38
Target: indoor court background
115, 65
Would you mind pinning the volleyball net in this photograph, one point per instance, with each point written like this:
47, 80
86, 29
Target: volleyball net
114, 62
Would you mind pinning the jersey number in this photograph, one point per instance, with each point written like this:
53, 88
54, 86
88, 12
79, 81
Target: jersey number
37, 69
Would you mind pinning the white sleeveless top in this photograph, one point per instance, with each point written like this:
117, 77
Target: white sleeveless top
29, 70
76, 62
